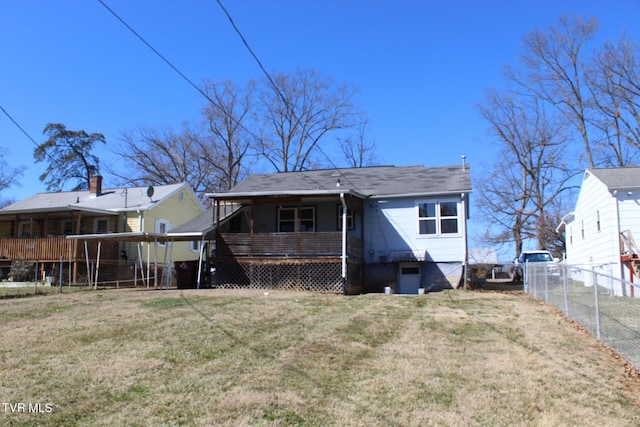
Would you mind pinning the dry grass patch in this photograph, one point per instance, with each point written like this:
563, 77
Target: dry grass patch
215, 357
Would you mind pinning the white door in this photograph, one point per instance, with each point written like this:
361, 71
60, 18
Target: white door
409, 278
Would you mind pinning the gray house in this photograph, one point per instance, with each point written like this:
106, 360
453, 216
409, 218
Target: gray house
344, 230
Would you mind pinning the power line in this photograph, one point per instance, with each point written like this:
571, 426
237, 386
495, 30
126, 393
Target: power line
277, 89
181, 74
46, 153
204, 94
173, 67
18, 126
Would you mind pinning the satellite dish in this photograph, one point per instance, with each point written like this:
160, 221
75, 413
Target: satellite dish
150, 191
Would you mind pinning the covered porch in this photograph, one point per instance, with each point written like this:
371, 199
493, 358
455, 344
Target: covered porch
309, 240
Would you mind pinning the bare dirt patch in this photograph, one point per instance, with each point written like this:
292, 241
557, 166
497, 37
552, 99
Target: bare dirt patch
214, 357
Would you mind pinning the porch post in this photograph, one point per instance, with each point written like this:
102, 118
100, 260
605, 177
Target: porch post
200, 262
97, 264
74, 244
344, 243
216, 238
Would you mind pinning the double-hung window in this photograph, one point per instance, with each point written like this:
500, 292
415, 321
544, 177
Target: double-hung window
438, 218
350, 223
162, 226
287, 217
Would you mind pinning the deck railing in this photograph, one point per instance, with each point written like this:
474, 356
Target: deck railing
51, 249
287, 245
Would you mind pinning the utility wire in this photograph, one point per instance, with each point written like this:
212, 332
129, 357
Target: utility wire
18, 126
174, 68
45, 152
204, 94
277, 89
196, 87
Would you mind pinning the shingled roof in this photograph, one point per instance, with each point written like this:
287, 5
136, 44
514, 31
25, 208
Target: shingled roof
618, 178
375, 181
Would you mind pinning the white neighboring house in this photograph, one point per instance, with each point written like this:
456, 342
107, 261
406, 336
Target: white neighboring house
599, 232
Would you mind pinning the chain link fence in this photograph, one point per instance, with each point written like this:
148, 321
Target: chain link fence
606, 306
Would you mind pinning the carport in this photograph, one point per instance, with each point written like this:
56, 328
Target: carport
200, 229
132, 237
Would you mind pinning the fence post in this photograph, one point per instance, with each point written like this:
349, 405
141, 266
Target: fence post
597, 301
546, 283
60, 281
565, 283
36, 281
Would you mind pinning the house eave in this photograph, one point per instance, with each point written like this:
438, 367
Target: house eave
287, 193
134, 236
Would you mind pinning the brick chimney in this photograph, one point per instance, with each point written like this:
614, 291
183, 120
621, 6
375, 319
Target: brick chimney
95, 185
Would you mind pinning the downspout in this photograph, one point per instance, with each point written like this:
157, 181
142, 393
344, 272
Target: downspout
465, 262
344, 243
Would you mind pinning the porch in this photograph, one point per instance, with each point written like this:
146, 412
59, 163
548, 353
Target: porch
293, 261
48, 252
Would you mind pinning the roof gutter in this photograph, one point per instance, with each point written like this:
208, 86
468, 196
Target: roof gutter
405, 195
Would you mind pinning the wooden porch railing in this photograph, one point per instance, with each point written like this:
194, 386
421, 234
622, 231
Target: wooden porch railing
286, 245
51, 249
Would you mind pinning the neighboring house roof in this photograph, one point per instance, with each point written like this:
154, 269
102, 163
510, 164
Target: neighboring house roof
202, 225
375, 181
618, 178
109, 201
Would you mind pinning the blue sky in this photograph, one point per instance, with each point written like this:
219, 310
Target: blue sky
421, 66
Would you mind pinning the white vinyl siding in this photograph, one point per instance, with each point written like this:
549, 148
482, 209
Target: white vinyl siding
593, 237
391, 225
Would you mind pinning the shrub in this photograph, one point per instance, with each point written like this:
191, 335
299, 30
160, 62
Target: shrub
23, 271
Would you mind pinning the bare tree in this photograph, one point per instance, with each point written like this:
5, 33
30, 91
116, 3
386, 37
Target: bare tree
614, 81
357, 149
8, 175
228, 139
160, 157
69, 157
296, 112
210, 155
555, 68
531, 172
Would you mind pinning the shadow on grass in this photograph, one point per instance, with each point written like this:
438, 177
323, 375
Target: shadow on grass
502, 286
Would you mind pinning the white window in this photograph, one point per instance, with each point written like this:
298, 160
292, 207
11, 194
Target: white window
438, 218
162, 227
287, 217
194, 245
350, 223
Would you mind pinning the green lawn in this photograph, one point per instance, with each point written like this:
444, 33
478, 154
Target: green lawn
213, 357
